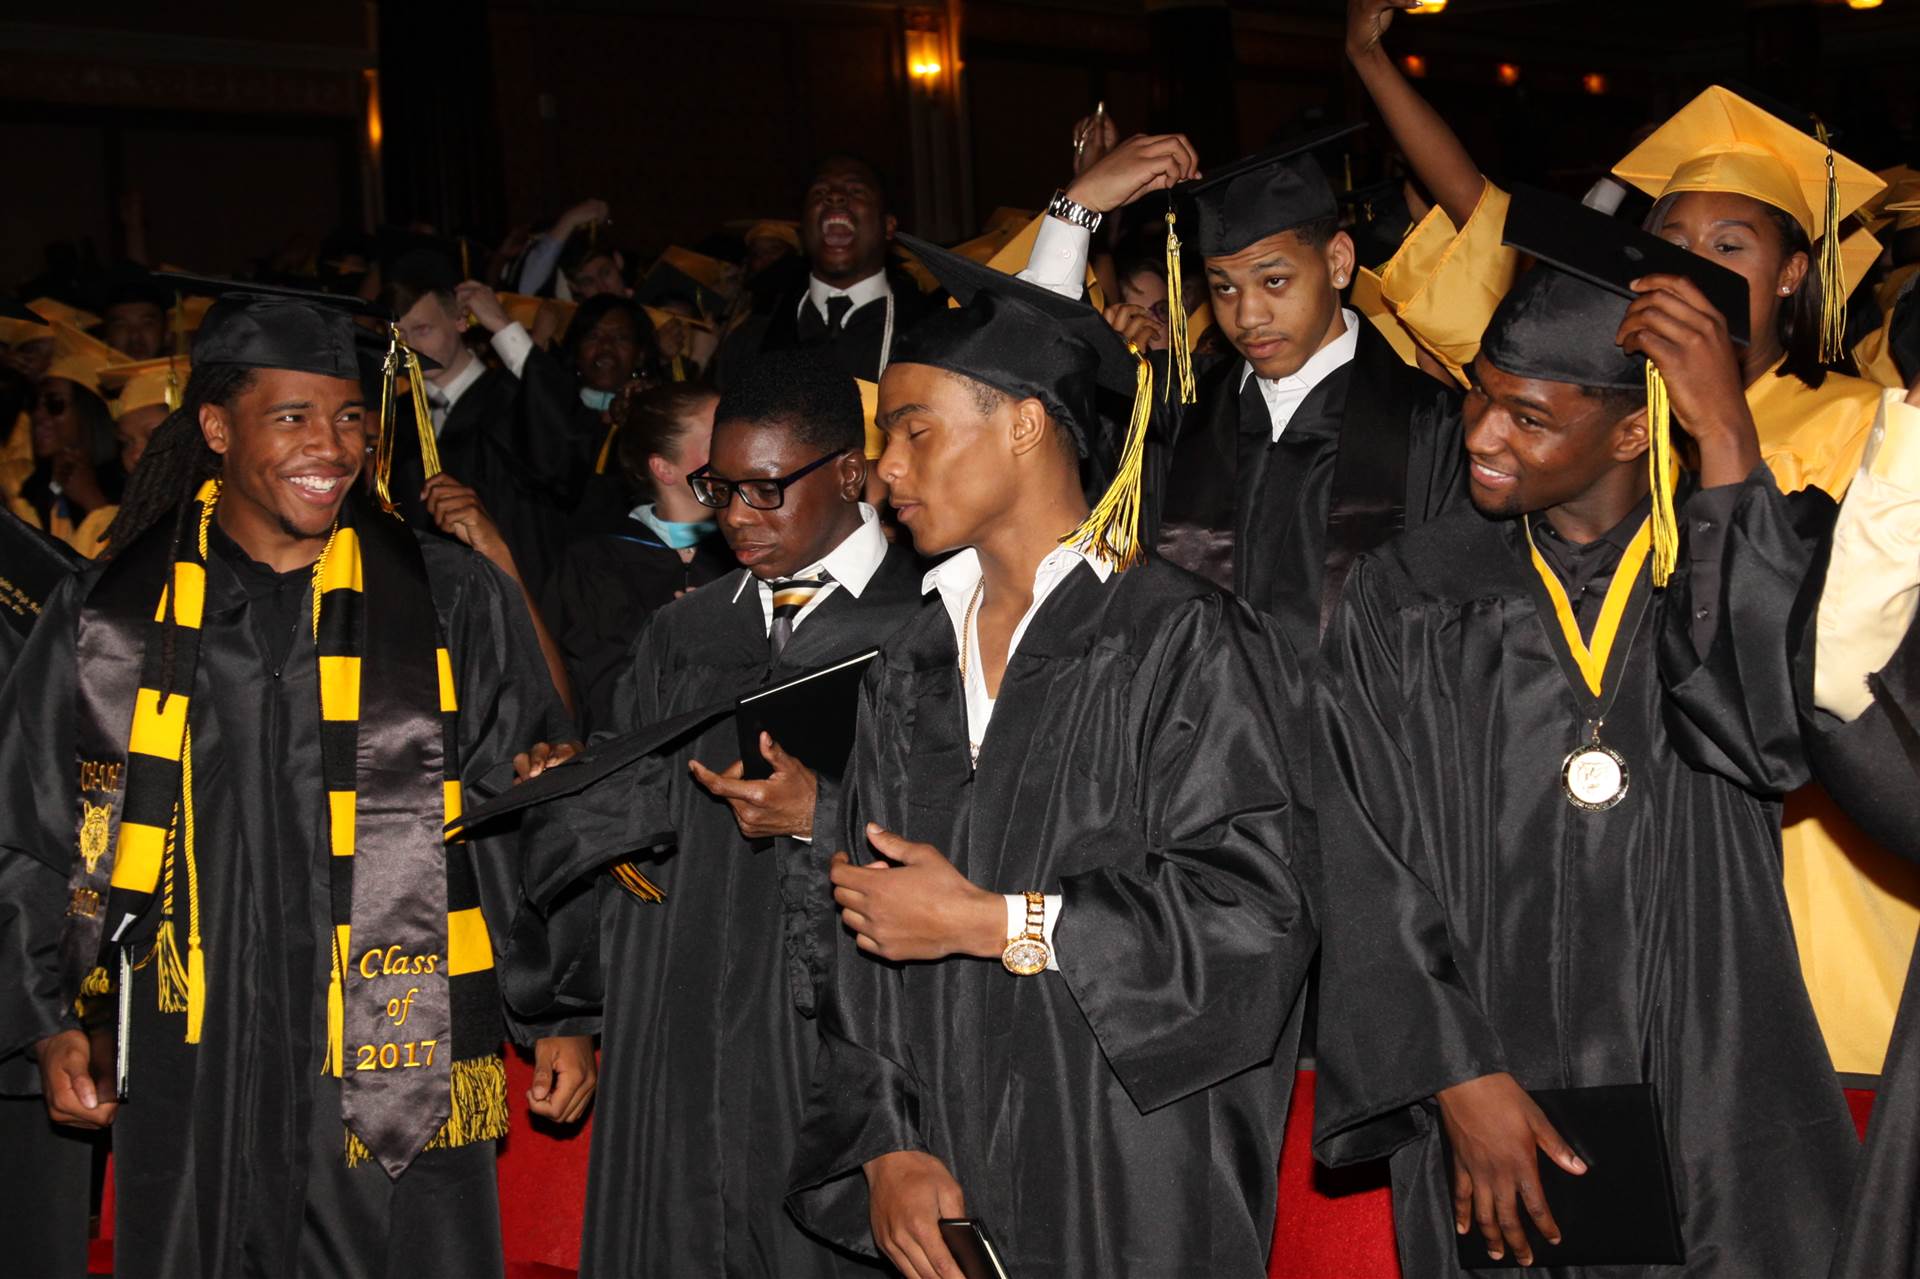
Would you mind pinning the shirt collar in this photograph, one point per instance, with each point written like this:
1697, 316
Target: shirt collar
851, 564
458, 385
957, 575
1319, 364
871, 289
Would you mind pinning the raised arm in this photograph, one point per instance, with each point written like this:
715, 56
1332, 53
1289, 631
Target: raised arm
1431, 147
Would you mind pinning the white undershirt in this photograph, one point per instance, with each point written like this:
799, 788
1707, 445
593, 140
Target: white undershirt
956, 579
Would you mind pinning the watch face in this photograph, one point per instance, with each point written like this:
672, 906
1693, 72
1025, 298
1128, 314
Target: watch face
1025, 956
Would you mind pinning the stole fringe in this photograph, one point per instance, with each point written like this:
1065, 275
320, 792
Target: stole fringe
628, 876
479, 1110
169, 971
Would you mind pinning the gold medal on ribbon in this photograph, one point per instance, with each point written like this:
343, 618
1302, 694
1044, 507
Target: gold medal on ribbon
1594, 777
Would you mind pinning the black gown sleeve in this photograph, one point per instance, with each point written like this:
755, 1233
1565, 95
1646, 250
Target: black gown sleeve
558, 437
37, 780
507, 704
1397, 1020
809, 918
1730, 709
1187, 969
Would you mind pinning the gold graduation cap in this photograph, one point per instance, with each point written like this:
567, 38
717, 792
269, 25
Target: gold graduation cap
1722, 142
1858, 252
524, 309
869, 410
1001, 228
160, 380
788, 233
1898, 206
662, 317
80, 367
54, 309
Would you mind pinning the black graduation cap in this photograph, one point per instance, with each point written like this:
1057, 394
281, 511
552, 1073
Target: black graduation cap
263, 326
426, 269
1558, 321
1264, 194
1021, 339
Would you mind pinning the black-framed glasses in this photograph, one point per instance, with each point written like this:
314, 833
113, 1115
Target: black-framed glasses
761, 495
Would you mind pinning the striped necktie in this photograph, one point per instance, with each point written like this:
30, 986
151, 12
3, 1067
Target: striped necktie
790, 595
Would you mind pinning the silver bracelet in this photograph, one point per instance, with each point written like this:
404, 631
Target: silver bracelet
1074, 213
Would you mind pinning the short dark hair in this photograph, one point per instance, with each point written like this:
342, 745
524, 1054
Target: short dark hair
803, 391
593, 310
1317, 233
883, 190
1617, 401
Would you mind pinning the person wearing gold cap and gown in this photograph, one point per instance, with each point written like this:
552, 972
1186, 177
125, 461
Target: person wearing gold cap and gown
76, 478
1742, 186
705, 944
303, 1074
1505, 932
1075, 764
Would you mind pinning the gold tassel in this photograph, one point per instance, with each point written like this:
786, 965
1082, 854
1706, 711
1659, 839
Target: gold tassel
383, 447
479, 1111
169, 972
1666, 526
336, 1021
606, 450
679, 369
1112, 529
1179, 348
422, 416
628, 876
1833, 278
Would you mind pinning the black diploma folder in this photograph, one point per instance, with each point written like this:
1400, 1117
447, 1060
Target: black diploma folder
1622, 1211
812, 718
967, 1239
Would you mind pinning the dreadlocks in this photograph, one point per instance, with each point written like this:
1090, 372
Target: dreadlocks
177, 459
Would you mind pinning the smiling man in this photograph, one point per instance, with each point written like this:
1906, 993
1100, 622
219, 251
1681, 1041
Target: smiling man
1532, 879
708, 1041
229, 753
851, 304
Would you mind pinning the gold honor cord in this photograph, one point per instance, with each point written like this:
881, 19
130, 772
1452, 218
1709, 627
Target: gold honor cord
399, 354
1592, 659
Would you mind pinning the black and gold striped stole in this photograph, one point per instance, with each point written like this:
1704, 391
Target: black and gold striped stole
413, 1005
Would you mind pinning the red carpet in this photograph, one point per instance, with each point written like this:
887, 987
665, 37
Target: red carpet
1331, 1224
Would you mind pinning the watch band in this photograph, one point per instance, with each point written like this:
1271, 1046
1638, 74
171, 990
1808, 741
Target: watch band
1027, 953
1072, 211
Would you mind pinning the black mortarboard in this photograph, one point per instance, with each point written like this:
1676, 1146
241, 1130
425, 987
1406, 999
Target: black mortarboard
426, 269
1263, 194
1558, 321
1032, 342
265, 327
1019, 338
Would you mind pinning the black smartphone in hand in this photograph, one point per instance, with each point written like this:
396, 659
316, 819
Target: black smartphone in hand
972, 1247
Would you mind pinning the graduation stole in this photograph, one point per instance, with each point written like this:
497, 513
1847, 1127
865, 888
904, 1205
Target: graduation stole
413, 1021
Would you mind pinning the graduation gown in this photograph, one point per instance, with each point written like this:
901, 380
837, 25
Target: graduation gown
1247, 510
1476, 922
1121, 1116
705, 1054
46, 1178
602, 592
230, 1154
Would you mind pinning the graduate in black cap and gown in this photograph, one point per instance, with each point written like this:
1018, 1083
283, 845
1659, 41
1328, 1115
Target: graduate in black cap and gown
228, 753
1320, 441
1537, 870
1075, 920
714, 931
46, 1178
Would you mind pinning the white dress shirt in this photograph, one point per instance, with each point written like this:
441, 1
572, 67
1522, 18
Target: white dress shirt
956, 578
1285, 395
441, 397
1873, 577
871, 289
513, 344
1058, 262
852, 564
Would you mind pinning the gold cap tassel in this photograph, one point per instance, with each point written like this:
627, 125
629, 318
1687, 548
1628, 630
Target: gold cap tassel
1112, 529
1660, 464
1179, 348
1833, 276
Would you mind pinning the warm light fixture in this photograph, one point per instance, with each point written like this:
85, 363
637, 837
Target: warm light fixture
1863, 4
1593, 82
1428, 6
924, 54
1509, 74
1414, 65
375, 132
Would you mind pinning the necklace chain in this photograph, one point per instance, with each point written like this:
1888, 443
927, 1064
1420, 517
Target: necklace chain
966, 627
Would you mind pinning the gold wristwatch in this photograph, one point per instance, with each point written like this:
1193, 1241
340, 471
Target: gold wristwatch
1027, 953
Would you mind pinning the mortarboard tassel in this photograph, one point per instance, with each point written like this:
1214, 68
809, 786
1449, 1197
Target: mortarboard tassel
1666, 526
422, 417
1179, 350
1833, 278
383, 446
1112, 529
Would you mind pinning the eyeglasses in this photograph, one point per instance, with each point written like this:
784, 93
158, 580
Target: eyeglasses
53, 402
761, 495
